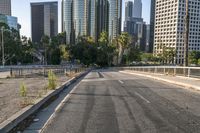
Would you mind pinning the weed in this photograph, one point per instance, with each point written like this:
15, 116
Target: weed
23, 90
51, 80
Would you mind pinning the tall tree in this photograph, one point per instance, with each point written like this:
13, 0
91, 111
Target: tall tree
123, 42
45, 42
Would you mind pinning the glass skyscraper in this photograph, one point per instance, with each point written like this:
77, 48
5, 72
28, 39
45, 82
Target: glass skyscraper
78, 18
137, 9
102, 16
10, 21
128, 9
91, 17
115, 13
67, 19
44, 20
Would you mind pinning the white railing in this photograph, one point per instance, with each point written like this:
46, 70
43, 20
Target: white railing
167, 70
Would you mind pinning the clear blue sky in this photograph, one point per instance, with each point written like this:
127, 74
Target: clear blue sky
21, 9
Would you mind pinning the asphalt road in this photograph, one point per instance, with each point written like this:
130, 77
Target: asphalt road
112, 102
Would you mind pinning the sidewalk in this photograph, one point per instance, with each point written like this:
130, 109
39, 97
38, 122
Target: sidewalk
4, 74
192, 83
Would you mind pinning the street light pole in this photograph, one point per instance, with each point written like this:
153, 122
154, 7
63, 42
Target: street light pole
2, 43
186, 34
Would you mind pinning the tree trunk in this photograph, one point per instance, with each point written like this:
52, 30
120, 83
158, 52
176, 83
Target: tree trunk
121, 52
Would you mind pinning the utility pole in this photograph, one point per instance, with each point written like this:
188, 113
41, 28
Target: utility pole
2, 43
186, 34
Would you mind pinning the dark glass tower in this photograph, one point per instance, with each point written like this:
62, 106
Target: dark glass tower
67, 19
44, 20
128, 9
102, 16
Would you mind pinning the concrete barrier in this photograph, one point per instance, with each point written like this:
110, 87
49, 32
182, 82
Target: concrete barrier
20, 116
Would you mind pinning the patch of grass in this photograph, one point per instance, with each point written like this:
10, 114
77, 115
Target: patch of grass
51, 80
23, 90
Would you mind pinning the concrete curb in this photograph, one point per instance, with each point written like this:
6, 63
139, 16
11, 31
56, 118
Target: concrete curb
17, 118
165, 80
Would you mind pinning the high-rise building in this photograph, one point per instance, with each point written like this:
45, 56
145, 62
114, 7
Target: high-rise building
128, 9
169, 27
134, 24
102, 16
5, 7
44, 20
147, 37
67, 19
91, 17
137, 9
137, 29
152, 22
115, 13
10, 21
79, 18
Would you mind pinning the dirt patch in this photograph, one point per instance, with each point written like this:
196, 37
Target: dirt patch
10, 100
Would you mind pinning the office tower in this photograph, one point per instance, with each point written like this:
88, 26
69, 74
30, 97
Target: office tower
115, 13
5, 7
147, 37
152, 22
137, 9
91, 18
62, 16
44, 20
169, 27
134, 24
128, 9
67, 19
79, 17
10, 21
137, 29
102, 17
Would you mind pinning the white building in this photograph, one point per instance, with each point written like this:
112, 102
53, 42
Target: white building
169, 26
137, 9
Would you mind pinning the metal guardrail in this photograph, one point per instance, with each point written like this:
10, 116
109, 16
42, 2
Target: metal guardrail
38, 66
167, 70
32, 71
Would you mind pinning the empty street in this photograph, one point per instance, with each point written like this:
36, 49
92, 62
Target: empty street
108, 101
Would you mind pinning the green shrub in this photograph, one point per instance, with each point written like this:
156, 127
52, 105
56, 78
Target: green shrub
199, 61
51, 80
23, 90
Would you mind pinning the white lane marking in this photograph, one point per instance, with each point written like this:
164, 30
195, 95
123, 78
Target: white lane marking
142, 97
59, 107
121, 81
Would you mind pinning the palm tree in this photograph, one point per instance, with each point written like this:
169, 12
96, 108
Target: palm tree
123, 42
45, 41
